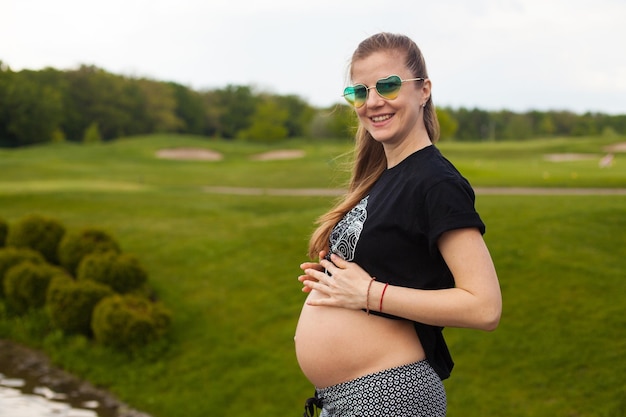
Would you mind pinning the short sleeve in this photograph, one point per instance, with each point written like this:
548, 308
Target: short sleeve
449, 206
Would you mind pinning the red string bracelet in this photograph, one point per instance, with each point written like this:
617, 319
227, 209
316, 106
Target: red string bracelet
367, 300
381, 297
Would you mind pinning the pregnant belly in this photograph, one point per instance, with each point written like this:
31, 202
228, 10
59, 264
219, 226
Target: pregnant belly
335, 345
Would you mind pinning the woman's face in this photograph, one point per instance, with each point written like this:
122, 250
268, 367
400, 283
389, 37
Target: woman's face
390, 121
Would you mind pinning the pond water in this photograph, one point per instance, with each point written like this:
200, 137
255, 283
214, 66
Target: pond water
31, 387
22, 398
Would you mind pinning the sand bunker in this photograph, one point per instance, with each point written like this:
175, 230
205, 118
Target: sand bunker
568, 157
189, 154
618, 147
199, 154
279, 154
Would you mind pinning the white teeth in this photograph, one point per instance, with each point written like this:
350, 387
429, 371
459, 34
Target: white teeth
377, 119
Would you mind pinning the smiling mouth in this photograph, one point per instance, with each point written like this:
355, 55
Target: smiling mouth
378, 119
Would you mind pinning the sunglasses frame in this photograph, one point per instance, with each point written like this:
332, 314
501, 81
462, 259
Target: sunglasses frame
367, 90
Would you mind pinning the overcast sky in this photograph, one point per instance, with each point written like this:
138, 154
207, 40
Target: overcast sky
491, 54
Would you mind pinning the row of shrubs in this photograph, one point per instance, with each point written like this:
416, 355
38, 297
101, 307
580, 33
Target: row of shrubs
82, 280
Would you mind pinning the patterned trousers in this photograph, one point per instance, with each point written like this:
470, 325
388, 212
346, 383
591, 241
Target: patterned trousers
412, 390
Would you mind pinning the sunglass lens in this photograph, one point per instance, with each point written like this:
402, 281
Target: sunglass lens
355, 95
360, 95
349, 95
389, 87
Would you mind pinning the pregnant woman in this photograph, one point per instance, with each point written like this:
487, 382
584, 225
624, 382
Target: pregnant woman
401, 256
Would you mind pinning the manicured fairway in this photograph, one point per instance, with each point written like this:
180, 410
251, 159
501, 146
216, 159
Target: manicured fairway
226, 264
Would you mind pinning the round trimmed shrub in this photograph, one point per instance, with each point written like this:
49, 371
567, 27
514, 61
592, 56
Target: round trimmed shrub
75, 246
70, 303
36, 232
26, 284
127, 322
4, 230
10, 257
121, 272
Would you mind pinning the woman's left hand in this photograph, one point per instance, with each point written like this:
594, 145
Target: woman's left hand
345, 287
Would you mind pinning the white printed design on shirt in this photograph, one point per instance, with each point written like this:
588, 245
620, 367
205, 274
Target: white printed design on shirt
345, 235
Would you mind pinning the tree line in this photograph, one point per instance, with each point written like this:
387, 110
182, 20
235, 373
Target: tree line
90, 104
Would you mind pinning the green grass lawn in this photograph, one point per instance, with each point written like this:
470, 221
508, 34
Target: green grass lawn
227, 266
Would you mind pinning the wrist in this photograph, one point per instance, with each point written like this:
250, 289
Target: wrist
377, 295
368, 295
382, 296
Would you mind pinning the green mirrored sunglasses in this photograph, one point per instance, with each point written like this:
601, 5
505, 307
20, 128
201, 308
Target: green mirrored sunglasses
388, 88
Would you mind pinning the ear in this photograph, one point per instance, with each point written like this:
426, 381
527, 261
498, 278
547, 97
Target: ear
426, 88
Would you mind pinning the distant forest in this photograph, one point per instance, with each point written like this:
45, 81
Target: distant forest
89, 104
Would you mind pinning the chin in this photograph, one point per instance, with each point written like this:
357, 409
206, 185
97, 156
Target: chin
382, 138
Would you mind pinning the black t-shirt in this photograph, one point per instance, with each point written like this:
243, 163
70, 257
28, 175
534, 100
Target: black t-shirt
393, 232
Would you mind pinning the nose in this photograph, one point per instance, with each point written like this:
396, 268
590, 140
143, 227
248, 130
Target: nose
373, 98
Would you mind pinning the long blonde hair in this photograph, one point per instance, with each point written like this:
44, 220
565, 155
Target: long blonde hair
370, 161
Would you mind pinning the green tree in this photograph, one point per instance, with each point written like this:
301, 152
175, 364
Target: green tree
447, 124
92, 134
511, 126
585, 125
338, 121
30, 112
268, 123
211, 113
189, 109
155, 106
564, 122
546, 125
95, 95
474, 124
299, 115
235, 107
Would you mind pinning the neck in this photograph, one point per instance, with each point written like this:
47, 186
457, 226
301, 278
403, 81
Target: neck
397, 152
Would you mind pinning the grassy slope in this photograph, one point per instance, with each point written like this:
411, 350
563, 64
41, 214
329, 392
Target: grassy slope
559, 347
227, 265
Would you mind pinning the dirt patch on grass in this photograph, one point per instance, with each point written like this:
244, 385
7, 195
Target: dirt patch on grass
199, 154
278, 154
568, 157
333, 192
617, 147
189, 154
